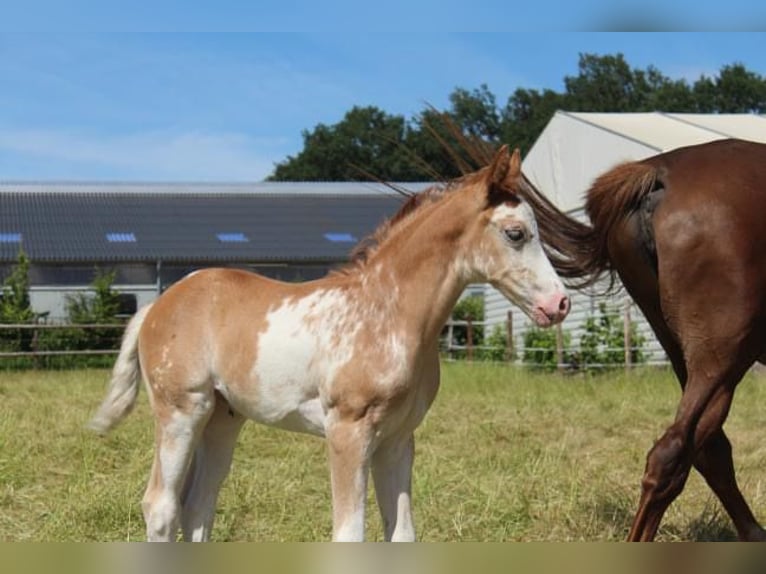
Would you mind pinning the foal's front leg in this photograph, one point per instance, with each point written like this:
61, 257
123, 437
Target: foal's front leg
392, 475
349, 454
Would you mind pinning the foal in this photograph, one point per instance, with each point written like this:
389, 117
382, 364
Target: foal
352, 357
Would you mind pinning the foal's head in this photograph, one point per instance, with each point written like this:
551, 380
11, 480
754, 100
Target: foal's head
503, 248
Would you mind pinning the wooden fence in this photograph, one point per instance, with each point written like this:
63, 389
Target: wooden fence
460, 340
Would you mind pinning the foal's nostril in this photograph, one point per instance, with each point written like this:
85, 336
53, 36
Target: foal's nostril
564, 305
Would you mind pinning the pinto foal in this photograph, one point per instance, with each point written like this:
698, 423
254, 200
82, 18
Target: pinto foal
352, 357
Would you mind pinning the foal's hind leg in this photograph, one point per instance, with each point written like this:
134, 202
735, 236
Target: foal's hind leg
177, 432
209, 468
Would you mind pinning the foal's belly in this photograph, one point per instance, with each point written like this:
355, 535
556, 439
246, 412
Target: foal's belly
307, 418
288, 410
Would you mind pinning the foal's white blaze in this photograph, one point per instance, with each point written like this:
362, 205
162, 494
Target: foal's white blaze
522, 272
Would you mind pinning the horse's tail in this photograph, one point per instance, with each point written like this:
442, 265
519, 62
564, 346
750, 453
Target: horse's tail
126, 378
613, 196
578, 251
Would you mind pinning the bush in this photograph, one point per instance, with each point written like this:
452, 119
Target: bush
15, 308
603, 342
98, 308
540, 348
495, 346
469, 308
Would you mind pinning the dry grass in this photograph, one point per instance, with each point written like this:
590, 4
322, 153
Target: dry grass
503, 455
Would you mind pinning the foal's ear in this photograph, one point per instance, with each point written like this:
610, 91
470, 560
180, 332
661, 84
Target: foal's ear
505, 166
503, 173
514, 169
498, 169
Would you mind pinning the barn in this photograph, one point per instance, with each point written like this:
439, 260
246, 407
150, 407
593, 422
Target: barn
573, 149
151, 235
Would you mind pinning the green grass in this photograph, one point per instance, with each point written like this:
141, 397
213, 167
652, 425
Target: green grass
504, 455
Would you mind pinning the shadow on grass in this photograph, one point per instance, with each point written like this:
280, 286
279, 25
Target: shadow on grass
710, 526
613, 512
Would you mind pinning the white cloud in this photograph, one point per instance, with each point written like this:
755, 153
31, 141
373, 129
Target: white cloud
190, 155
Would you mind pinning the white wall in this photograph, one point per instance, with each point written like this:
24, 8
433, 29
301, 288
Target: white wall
571, 153
52, 300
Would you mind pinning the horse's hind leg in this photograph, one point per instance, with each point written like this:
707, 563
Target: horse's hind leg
178, 429
714, 458
702, 411
714, 462
210, 466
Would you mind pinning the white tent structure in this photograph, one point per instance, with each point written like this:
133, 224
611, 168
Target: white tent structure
574, 148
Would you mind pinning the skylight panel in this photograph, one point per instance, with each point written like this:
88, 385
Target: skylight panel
232, 237
340, 237
6, 237
121, 237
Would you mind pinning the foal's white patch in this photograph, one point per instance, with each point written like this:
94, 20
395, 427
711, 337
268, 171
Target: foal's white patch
306, 342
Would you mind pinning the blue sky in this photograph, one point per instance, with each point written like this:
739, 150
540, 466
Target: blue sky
227, 106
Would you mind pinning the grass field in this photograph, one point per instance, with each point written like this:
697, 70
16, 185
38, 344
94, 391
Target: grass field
504, 455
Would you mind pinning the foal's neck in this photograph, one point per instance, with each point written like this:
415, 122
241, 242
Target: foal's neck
419, 273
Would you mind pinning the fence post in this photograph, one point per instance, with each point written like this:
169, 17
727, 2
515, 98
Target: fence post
627, 341
509, 351
559, 347
469, 339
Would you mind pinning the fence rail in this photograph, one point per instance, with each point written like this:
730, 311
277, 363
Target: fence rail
59, 345
460, 340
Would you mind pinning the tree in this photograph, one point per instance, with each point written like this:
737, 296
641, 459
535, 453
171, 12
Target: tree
367, 141
98, 308
526, 114
15, 308
370, 144
735, 90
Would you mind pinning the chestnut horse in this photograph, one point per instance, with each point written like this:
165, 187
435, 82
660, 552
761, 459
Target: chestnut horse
352, 357
686, 233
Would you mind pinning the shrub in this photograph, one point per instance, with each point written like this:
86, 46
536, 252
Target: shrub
15, 308
603, 342
540, 348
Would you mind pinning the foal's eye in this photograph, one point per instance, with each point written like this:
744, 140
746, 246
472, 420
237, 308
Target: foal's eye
515, 234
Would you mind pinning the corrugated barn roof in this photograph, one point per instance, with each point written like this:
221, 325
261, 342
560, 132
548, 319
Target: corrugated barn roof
86, 223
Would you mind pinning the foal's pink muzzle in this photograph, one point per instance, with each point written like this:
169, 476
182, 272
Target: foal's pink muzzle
551, 311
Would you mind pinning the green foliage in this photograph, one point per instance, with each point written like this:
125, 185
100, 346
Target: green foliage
97, 308
390, 147
15, 308
603, 342
540, 348
468, 308
495, 346
366, 142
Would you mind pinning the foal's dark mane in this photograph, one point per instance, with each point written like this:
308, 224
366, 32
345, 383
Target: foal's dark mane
575, 249
413, 202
